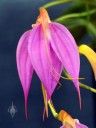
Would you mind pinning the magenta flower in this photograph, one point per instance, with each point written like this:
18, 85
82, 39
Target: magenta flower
68, 121
77, 125
46, 49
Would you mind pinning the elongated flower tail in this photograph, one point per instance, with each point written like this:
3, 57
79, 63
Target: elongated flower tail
45, 102
26, 107
90, 55
24, 66
65, 48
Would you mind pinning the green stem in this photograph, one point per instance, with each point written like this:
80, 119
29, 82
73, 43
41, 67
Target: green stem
88, 15
50, 4
55, 114
87, 87
54, 3
91, 30
74, 15
81, 84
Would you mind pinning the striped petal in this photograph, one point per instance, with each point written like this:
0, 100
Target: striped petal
66, 50
90, 55
24, 66
39, 58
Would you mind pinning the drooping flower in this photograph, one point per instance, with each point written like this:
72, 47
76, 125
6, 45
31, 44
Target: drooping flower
68, 121
90, 55
46, 49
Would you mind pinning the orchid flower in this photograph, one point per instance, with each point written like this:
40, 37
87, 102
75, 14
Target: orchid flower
46, 49
68, 121
65, 118
90, 55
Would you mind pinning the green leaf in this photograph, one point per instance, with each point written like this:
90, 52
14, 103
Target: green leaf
91, 30
54, 3
71, 23
75, 15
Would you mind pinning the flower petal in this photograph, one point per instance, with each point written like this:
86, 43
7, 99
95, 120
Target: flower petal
62, 126
39, 59
79, 125
66, 49
24, 65
90, 55
45, 101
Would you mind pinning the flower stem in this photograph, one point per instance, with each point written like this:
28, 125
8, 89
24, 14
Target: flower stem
87, 87
54, 3
81, 84
55, 114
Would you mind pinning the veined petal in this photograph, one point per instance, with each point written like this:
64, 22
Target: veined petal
39, 58
24, 65
90, 55
66, 50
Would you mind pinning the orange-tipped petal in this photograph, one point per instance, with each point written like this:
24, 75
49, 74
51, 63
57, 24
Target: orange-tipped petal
90, 55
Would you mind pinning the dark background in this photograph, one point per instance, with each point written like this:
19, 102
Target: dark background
16, 17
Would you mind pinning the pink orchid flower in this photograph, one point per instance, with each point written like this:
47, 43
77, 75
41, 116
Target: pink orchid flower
46, 49
68, 121
77, 123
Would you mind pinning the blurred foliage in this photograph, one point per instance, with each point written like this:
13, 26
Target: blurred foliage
79, 18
